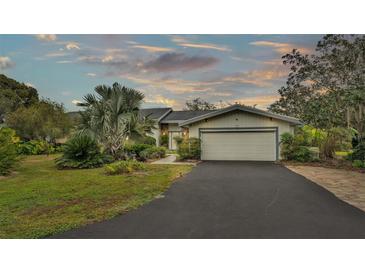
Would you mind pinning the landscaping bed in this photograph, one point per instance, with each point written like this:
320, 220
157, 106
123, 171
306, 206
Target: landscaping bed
332, 163
39, 200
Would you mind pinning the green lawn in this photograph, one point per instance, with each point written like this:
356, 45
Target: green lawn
40, 200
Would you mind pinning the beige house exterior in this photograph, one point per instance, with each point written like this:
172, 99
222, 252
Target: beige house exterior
235, 133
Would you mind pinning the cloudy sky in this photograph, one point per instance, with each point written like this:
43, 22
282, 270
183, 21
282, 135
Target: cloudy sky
169, 69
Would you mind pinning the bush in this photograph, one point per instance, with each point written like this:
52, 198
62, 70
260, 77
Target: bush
123, 167
82, 151
292, 150
35, 147
164, 140
8, 152
359, 152
153, 153
302, 154
189, 149
358, 163
149, 140
135, 149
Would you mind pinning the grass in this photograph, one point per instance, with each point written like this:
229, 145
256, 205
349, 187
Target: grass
39, 200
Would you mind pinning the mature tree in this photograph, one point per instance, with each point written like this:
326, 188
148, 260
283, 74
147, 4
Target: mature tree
112, 116
199, 104
44, 120
14, 95
326, 89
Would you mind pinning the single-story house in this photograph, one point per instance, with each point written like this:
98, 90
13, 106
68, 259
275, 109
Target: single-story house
234, 133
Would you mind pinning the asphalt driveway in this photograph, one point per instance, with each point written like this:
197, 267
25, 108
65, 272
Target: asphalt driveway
236, 200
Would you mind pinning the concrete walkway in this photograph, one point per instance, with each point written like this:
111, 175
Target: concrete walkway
170, 160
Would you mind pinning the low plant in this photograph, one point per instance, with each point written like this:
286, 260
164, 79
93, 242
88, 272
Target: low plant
293, 150
123, 167
153, 153
82, 151
189, 149
359, 152
164, 140
149, 140
135, 149
8, 153
35, 147
178, 139
358, 164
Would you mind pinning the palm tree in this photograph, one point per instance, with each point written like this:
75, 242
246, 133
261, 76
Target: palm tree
113, 115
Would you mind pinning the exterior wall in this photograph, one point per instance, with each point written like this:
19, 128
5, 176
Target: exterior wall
174, 127
156, 133
240, 119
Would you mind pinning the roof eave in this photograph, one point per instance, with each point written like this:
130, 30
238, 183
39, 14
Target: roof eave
290, 120
164, 115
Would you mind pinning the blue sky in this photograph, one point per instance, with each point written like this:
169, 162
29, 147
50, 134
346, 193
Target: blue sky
169, 69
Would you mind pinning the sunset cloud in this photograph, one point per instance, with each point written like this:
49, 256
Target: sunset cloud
204, 46
64, 62
46, 37
152, 48
261, 101
281, 48
260, 78
179, 62
72, 45
5, 62
161, 100
183, 42
75, 102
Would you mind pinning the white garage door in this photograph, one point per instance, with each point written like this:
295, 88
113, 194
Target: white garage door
243, 146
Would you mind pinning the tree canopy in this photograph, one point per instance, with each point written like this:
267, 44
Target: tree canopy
44, 120
14, 95
326, 89
199, 104
112, 116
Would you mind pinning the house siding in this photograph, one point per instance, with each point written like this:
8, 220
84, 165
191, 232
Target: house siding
240, 119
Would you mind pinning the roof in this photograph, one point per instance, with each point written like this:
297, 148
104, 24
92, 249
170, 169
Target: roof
155, 113
183, 115
211, 114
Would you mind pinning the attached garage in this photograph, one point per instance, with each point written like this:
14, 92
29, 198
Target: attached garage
240, 133
245, 145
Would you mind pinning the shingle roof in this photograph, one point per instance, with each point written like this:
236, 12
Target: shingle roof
183, 115
291, 120
154, 113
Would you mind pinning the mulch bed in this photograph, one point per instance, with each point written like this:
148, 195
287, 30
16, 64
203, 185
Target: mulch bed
332, 163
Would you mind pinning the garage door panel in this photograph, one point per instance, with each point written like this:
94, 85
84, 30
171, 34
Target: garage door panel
245, 146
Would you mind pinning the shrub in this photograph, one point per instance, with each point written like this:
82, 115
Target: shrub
164, 140
8, 152
189, 149
302, 154
358, 163
149, 140
359, 152
35, 147
292, 150
136, 149
153, 153
82, 151
123, 167
178, 139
